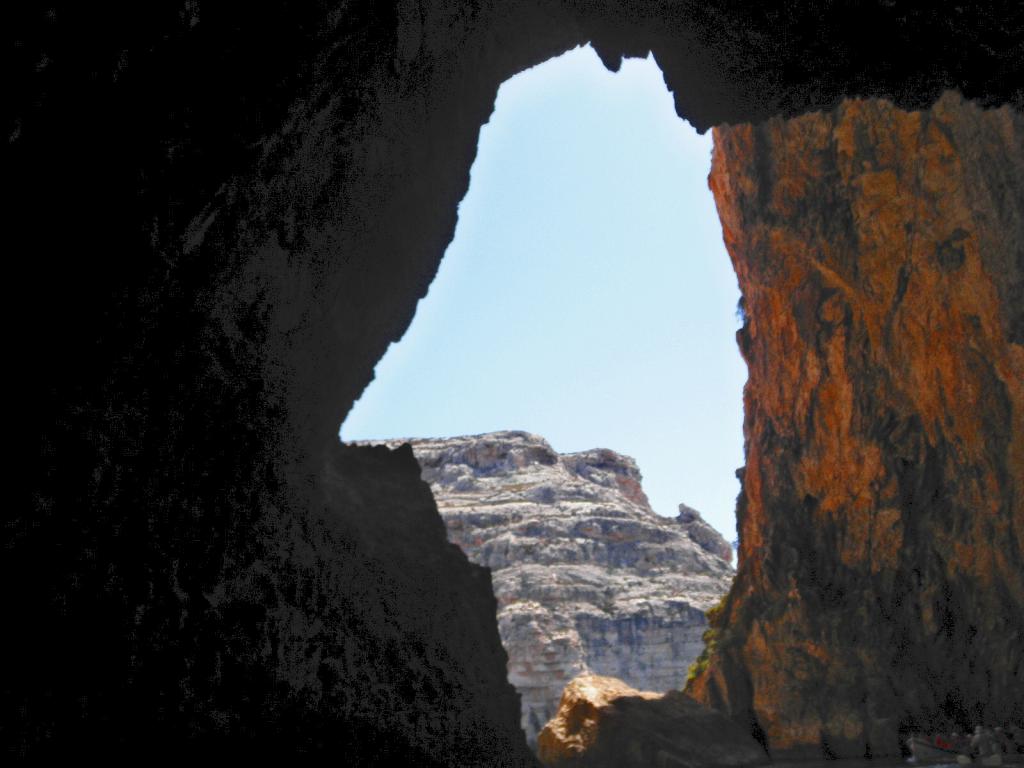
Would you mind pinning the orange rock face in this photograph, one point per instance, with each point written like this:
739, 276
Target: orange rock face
603, 723
881, 584
567, 737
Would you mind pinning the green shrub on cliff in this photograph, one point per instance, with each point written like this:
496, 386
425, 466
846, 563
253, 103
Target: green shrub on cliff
710, 637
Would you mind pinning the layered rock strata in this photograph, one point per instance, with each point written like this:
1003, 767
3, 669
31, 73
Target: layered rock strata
587, 577
704, 534
880, 254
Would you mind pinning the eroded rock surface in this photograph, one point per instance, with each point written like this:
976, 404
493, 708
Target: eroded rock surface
604, 723
220, 222
880, 254
587, 577
704, 534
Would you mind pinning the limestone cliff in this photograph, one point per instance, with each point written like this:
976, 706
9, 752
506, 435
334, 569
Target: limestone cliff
702, 533
587, 577
880, 254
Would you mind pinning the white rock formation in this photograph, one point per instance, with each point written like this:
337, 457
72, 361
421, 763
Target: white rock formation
587, 577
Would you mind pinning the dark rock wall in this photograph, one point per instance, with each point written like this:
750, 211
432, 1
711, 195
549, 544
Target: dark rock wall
881, 257
221, 216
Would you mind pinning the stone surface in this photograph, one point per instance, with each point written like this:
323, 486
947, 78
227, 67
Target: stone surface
704, 534
588, 578
604, 723
881, 582
219, 219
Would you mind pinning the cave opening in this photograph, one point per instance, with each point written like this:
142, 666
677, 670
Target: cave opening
586, 302
643, 347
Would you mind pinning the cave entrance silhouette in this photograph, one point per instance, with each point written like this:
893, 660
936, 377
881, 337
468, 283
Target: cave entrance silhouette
587, 295
586, 298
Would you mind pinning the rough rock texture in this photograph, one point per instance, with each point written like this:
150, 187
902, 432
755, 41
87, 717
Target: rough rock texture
298, 638
881, 583
604, 723
588, 578
220, 216
706, 537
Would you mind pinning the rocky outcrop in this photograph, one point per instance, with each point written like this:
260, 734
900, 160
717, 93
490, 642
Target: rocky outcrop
587, 577
880, 589
268, 194
604, 723
706, 537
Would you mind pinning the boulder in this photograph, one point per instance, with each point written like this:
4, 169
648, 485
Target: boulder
601, 721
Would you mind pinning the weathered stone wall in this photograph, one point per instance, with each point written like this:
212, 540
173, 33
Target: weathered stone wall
220, 217
880, 254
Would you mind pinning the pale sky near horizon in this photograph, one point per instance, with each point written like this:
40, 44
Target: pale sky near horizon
587, 295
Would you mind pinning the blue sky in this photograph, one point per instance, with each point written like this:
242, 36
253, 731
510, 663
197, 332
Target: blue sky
587, 295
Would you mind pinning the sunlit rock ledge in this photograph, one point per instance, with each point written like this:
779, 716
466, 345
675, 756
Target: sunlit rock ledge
588, 578
604, 723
